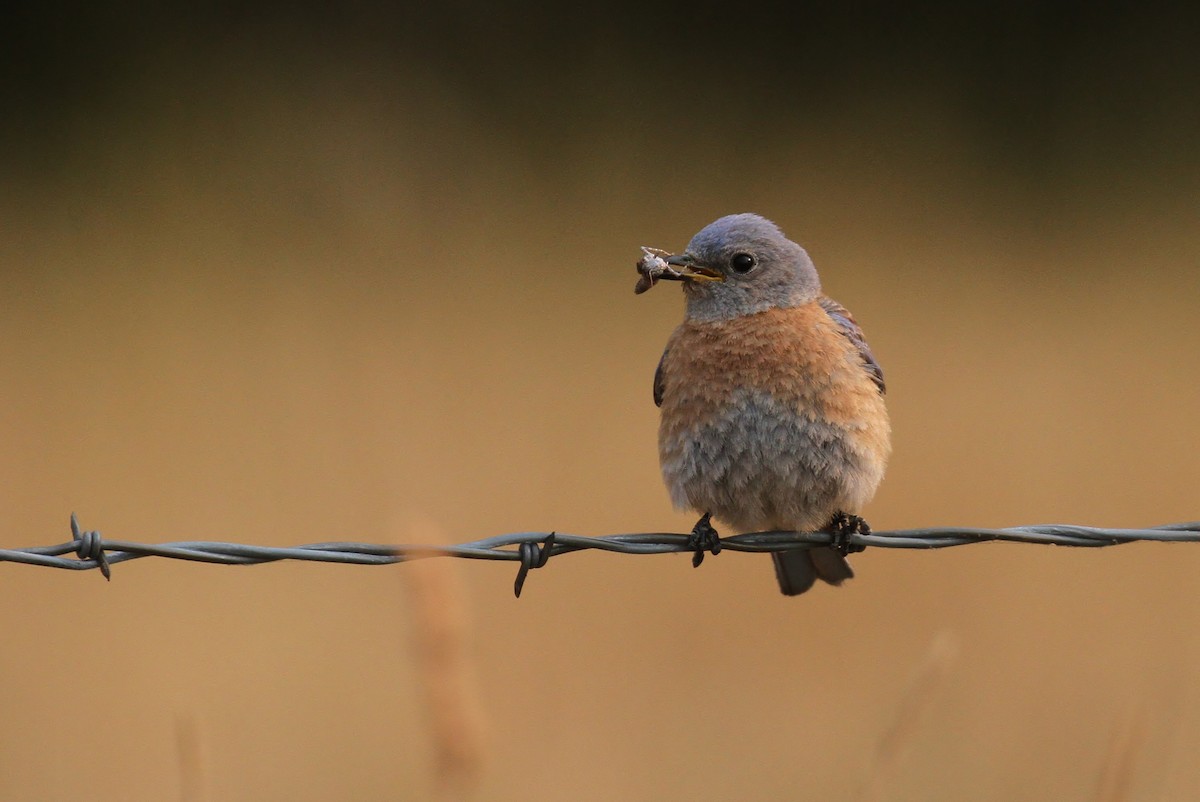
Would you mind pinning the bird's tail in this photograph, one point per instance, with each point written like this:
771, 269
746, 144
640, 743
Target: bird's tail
798, 569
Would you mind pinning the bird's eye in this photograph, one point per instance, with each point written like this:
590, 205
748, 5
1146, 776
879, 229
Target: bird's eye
742, 263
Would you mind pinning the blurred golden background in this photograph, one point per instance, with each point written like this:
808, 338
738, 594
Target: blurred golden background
304, 274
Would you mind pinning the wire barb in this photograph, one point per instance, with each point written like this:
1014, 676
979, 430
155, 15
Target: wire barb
90, 546
533, 555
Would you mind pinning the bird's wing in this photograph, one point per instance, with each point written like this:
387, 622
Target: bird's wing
659, 379
845, 322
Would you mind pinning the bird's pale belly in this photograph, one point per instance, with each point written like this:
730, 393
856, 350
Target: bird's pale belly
760, 464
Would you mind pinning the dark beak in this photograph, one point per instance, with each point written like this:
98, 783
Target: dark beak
691, 271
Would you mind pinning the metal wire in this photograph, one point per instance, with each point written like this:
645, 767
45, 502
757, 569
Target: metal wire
88, 550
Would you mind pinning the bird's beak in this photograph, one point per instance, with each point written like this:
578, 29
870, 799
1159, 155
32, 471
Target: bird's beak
692, 271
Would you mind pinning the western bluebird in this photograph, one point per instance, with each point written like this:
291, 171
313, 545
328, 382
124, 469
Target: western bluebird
772, 402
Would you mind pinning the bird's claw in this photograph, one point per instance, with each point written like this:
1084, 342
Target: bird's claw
843, 527
703, 538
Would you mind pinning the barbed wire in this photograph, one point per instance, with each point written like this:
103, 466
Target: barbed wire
533, 549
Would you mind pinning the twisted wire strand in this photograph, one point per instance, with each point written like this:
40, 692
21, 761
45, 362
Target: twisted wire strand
89, 550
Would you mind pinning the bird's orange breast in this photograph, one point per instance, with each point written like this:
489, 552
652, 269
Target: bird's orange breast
798, 355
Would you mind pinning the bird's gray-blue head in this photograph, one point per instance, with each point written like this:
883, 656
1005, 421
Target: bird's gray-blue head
742, 264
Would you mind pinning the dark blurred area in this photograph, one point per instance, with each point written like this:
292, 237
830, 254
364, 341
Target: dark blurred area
308, 273
1043, 91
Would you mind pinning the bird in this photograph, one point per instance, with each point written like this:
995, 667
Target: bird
772, 403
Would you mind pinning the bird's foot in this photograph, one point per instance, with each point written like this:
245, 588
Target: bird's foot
843, 526
703, 538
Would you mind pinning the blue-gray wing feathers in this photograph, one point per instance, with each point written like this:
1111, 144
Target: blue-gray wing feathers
845, 321
658, 380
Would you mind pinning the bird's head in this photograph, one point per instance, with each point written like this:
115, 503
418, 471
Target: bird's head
742, 264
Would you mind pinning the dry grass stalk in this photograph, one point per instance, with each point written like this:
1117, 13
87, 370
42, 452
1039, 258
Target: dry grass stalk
445, 667
1116, 773
928, 675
